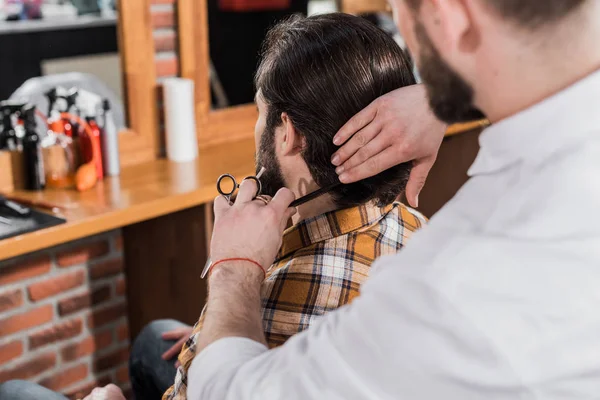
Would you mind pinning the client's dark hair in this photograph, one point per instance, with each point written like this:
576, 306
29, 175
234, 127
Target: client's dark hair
321, 71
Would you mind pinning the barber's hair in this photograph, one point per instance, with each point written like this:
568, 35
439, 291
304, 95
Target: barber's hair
321, 71
528, 13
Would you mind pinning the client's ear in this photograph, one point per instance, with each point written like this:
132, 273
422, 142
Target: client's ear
293, 142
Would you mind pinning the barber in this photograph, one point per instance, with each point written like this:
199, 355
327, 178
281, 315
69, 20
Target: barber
502, 297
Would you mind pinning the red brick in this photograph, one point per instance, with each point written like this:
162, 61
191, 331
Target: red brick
26, 320
81, 391
162, 42
167, 66
82, 254
106, 268
123, 332
24, 270
58, 332
83, 300
10, 351
107, 315
111, 360
29, 369
87, 346
11, 299
53, 286
163, 19
123, 374
65, 377
121, 286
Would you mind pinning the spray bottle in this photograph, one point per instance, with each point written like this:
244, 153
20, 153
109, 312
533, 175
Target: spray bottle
32, 151
71, 98
55, 122
8, 137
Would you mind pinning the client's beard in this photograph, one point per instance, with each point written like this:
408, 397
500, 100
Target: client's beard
450, 96
272, 179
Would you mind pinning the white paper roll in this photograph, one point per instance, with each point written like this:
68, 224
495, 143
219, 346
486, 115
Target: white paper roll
180, 120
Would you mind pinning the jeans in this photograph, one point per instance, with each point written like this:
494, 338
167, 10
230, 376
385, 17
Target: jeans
151, 376
24, 390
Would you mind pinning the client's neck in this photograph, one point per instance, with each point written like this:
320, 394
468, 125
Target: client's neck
313, 208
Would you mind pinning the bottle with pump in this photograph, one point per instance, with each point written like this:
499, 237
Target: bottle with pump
110, 141
72, 108
55, 122
8, 136
32, 151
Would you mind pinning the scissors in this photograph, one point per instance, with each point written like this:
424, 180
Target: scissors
235, 186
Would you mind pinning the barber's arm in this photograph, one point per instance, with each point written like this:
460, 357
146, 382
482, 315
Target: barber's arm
396, 128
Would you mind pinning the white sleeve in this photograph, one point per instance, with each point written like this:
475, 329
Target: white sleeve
401, 337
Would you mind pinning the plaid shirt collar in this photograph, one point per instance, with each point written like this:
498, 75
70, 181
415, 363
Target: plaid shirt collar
328, 226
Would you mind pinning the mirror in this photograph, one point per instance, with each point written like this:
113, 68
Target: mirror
219, 42
98, 46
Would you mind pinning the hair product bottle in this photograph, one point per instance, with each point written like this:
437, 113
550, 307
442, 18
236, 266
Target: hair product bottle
32, 151
8, 137
110, 141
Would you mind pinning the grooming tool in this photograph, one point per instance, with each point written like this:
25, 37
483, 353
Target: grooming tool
32, 151
235, 185
227, 195
314, 195
12, 208
54, 207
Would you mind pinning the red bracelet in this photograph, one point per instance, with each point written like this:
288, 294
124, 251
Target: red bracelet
239, 259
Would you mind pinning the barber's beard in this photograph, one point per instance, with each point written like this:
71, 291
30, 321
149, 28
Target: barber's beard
272, 179
450, 96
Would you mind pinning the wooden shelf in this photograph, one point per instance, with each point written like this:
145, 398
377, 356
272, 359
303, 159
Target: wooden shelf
142, 192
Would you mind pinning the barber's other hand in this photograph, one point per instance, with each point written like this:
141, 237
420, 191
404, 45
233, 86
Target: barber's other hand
250, 229
110, 392
396, 128
181, 335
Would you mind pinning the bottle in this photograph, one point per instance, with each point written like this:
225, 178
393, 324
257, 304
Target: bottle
55, 123
110, 141
8, 137
94, 146
73, 129
32, 151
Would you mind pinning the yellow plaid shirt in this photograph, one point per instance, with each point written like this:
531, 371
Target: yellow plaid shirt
320, 267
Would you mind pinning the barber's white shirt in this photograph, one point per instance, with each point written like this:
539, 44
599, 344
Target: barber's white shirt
498, 298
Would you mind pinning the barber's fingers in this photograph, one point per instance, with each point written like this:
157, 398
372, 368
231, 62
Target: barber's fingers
221, 204
281, 202
356, 123
371, 149
355, 143
418, 175
248, 190
371, 167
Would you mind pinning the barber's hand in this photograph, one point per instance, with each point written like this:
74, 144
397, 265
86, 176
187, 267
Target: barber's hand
396, 128
250, 229
110, 392
179, 334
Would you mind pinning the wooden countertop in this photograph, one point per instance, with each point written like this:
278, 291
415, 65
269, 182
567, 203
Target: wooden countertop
142, 192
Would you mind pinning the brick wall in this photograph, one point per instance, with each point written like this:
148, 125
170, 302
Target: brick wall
63, 317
